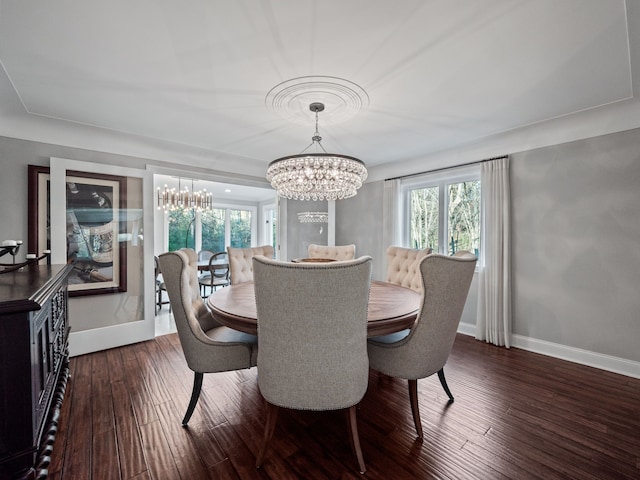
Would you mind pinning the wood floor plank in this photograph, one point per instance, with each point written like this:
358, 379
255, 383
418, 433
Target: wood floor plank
516, 415
134, 379
77, 458
129, 443
104, 457
153, 381
158, 453
183, 449
103, 419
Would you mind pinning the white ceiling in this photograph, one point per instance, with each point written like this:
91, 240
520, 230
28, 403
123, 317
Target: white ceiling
437, 74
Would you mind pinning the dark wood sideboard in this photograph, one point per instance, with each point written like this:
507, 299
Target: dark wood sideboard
34, 367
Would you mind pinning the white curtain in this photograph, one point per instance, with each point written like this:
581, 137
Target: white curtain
494, 288
391, 213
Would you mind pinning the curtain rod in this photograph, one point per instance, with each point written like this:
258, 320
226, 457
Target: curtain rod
446, 168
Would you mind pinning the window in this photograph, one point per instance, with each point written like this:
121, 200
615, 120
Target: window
443, 211
212, 230
271, 226
181, 229
240, 228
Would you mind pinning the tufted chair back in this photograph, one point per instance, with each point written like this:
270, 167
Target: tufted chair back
240, 266
338, 252
403, 266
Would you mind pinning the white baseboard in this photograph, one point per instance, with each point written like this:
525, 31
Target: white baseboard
97, 339
619, 365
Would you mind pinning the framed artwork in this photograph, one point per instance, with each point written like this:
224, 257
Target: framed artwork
96, 216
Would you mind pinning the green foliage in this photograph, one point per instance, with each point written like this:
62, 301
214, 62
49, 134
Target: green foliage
240, 228
464, 217
213, 230
181, 229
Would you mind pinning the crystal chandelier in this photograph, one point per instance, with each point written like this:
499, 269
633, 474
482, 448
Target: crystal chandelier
172, 199
316, 176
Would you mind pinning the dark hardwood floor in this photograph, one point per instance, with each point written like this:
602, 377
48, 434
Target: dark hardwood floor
517, 415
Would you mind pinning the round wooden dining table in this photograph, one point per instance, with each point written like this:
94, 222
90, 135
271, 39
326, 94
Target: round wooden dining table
219, 264
391, 308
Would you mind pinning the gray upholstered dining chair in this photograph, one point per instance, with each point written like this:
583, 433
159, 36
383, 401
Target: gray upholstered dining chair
403, 266
337, 252
312, 337
160, 286
240, 266
423, 350
208, 346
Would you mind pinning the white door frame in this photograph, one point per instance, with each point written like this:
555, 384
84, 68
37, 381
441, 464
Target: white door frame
103, 338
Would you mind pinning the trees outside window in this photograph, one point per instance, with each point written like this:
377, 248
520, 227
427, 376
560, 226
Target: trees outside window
464, 217
444, 212
240, 221
211, 230
424, 208
181, 229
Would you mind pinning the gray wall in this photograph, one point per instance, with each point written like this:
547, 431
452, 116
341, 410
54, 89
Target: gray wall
300, 235
575, 232
359, 221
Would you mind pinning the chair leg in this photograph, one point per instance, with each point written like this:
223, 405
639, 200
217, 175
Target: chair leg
413, 399
195, 394
355, 438
269, 428
443, 382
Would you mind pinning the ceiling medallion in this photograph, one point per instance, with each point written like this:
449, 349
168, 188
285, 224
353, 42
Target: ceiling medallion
343, 99
316, 176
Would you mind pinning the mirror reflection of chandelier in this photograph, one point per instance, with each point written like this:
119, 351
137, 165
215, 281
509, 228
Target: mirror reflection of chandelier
316, 176
313, 217
172, 199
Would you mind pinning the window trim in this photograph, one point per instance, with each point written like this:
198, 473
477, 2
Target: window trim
437, 179
227, 227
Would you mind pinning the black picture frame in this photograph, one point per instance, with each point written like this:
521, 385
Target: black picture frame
95, 212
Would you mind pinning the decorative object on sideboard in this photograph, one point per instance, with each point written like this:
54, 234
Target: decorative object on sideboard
316, 176
11, 247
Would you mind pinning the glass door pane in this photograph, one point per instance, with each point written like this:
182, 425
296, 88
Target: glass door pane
182, 229
213, 230
240, 221
424, 213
